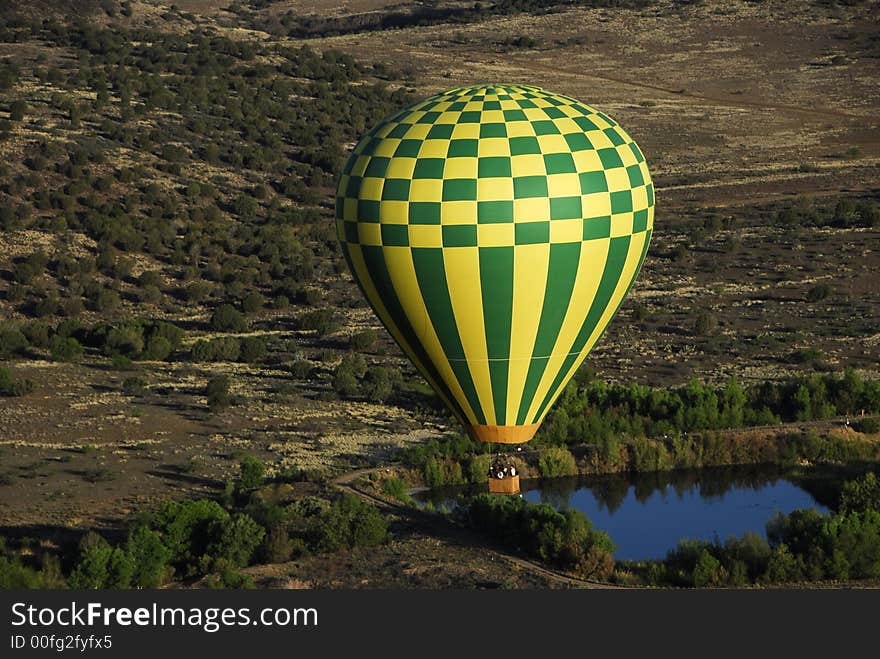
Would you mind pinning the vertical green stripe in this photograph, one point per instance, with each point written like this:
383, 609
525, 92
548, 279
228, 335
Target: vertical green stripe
374, 259
496, 282
561, 275
617, 253
431, 275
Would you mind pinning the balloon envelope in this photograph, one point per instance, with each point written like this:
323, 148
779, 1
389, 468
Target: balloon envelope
495, 231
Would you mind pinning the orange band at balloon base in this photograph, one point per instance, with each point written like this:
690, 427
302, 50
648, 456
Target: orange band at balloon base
503, 434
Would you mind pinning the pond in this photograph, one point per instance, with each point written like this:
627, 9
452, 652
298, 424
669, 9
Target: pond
647, 514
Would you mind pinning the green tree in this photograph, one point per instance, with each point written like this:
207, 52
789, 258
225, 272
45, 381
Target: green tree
149, 556
227, 318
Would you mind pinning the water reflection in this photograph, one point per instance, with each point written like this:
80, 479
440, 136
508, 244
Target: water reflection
647, 514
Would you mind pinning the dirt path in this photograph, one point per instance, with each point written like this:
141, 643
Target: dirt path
440, 527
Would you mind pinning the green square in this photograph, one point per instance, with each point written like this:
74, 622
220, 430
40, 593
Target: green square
462, 149
408, 149
460, 235
353, 189
520, 146
492, 105
554, 113
514, 115
424, 212
545, 127
351, 232
578, 142
529, 186
614, 136
429, 118
636, 151
395, 189
610, 158
340, 207
585, 124
580, 108
493, 166
635, 176
395, 235
565, 208
429, 168
371, 146
399, 131
377, 166
368, 210
606, 118
526, 103
458, 105
650, 190
440, 132
493, 130
559, 163
494, 212
469, 117
621, 202
593, 182
460, 189
597, 227
640, 220
532, 233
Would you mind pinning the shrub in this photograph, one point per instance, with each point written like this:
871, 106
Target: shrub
818, 292
149, 556
235, 540
227, 318
348, 522
556, 461
252, 473
101, 566
66, 349
217, 391
868, 426
186, 527
396, 488
364, 340
861, 495
253, 349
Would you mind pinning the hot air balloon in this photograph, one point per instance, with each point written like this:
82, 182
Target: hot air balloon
495, 230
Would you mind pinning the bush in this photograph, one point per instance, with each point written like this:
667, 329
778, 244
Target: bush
253, 349
101, 566
818, 293
556, 461
348, 522
10, 386
252, 473
217, 391
149, 556
66, 350
227, 318
860, 495
868, 426
362, 341
396, 488
235, 540
186, 528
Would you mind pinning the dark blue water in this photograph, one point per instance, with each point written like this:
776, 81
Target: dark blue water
647, 515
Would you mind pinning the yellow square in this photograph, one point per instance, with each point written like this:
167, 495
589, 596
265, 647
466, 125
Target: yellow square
460, 168
528, 165
350, 209
360, 166
650, 224
371, 188
426, 189
492, 117
598, 139
629, 158
434, 149
494, 189
600, 123
520, 129
425, 235
387, 147
418, 132
387, 128
535, 114
621, 225
553, 144
640, 198
369, 233
567, 126
446, 117
566, 231
596, 205
394, 212
509, 105
563, 185
531, 210
458, 212
401, 168
474, 106
495, 235
587, 161
569, 111
617, 179
493, 146
466, 132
